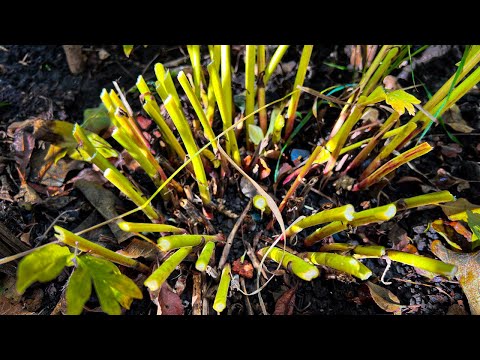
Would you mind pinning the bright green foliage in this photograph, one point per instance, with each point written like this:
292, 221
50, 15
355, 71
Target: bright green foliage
127, 49
45, 264
96, 119
399, 100
474, 222
112, 287
255, 134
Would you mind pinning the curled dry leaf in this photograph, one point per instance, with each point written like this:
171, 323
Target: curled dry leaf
23, 144
453, 118
140, 248
451, 150
385, 299
244, 268
286, 303
468, 273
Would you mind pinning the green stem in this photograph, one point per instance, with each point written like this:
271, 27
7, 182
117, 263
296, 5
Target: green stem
171, 242
261, 83
342, 213
299, 79
338, 262
328, 230
226, 76
366, 250
380, 72
291, 262
158, 277
278, 125
274, 61
194, 53
147, 227
82, 244
377, 214
220, 302
165, 85
186, 134
426, 199
422, 262
205, 256
249, 89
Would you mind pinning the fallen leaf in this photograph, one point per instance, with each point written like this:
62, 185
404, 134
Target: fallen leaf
141, 248
255, 134
244, 268
96, 119
448, 233
180, 284
170, 303
23, 144
453, 118
264, 169
57, 173
451, 150
468, 273
400, 100
285, 303
385, 299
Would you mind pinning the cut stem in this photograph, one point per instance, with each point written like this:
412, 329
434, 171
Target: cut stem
82, 244
249, 89
158, 277
220, 302
342, 263
171, 242
422, 262
377, 214
261, 83
291, 262
328, 230
147, 227
205, 256
426, 199
342, 213
194, 52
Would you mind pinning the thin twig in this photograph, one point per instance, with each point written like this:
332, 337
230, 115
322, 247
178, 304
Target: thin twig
197, 293
247, 299
231, 236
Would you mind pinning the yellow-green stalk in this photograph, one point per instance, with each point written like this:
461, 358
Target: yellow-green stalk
366, 250
278, 125
393, 164
342, 213
336, 247
161, 274
380, 71
145, 92
376, 214
82, 244
90, 154
274, 61
227, 121
226, 69
422, 262
261, 60
374, 66
299, 79
205, 256
426, 199
147, 227
165, 85
343, 263
215, 54
406, 130
328, 230
171, 242
291, 262
186, 134
117, 103
249, 89
207, 129
220, 302
126, 187
194, 53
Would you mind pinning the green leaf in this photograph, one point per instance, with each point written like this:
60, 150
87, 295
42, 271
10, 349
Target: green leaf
106, 297
400, 100
125, 285
79, 289
255, 134
376, 96
96, 119
43, 265
474, 223
127, 49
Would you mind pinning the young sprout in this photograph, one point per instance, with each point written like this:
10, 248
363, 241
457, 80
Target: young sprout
194, 53
184, 129
147, 227
274, 61
426, 199
291, 262
205, 256
377, 214
342, 213
82, 244
328, 230
171, 242
422, 262
165, 85
393, 164
249, 88
220, 302
158, 277
277, 128
260, 203
343, 263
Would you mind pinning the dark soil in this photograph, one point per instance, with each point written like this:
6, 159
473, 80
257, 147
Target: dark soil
35, 82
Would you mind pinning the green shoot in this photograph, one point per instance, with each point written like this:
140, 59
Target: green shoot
261, 83
82, 244
364, 250
205, 256
274, 61
184, 130
426, 199
299, 79
158, 277
220, 302
194, 52
343, 263
293, 263
422, 262
226, 69
342, 213
165, 85
171, 242
249, 89
147, 227
377, 214
328, 230
260, 203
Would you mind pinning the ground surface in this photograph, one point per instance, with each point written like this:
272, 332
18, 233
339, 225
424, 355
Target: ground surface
35, 82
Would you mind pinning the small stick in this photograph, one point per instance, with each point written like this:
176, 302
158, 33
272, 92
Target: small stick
231, 236
248, 305
254, 259
197, 293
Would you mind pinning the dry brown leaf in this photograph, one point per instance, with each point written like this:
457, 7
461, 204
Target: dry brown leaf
140, 248
453, 118
456, 207
451, 150
384, 298
170, 303
468, 273
285, 303
244, 268
23, 144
